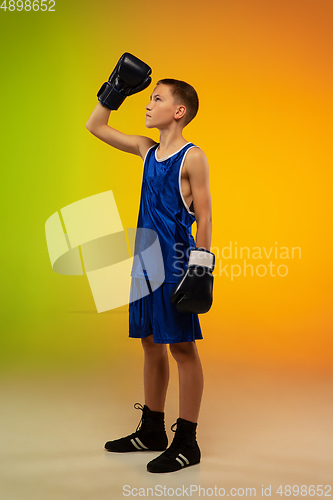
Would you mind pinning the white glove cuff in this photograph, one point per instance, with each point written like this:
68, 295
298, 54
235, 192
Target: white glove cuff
201, 258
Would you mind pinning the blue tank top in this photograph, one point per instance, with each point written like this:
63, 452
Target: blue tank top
163, 210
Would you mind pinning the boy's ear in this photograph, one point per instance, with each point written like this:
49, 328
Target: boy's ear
180, 112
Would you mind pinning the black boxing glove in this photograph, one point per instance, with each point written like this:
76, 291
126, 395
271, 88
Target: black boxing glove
129, 77
194, 292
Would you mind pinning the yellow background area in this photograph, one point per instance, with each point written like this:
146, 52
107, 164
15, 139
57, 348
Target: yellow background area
263, 74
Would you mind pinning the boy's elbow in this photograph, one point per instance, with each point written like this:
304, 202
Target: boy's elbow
88, 126
92, 130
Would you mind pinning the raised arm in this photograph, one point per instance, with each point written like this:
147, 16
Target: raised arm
131, 75
97, 124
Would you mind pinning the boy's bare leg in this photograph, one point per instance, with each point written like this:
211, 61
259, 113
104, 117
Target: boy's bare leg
190, 379
150, 434
184, 449
156, 373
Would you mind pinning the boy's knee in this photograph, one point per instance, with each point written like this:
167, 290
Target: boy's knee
147, 341
149, 346
183, 351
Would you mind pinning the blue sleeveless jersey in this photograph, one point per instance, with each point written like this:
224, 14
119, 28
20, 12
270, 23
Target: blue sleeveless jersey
164, 211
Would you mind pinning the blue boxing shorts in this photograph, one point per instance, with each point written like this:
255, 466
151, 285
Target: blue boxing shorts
154, 314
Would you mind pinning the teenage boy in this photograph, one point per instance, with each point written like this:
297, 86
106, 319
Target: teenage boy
175, 193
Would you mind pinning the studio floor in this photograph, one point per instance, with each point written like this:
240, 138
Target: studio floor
259, 429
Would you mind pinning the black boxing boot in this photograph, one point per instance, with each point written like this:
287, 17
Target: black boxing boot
183, 451
150, 434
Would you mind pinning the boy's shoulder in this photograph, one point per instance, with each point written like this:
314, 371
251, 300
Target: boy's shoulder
195, 161
145, 143
196, 151
196, 154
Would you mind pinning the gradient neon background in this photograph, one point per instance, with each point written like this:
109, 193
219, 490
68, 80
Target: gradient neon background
264, 77
263, 72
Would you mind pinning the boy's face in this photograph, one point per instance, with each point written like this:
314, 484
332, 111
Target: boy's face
162, 109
